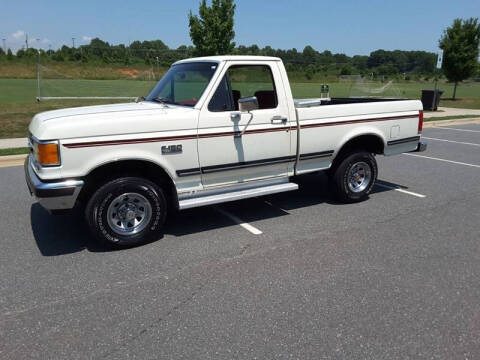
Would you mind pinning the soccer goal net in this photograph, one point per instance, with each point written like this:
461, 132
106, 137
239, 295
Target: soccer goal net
363, 86
88, 74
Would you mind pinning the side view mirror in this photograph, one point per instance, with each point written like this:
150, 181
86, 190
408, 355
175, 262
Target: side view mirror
247, 104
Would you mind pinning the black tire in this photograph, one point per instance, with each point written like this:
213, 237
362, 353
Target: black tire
339, 176
100, 204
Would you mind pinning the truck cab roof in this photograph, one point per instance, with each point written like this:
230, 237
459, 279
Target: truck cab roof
229, 58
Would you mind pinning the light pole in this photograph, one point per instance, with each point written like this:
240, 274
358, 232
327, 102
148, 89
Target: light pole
73, 42
38, 68
38, 49
158, 66
4, 46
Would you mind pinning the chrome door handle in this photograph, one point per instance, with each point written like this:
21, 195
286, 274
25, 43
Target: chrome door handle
278, 119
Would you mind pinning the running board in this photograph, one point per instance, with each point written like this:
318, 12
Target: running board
236, 195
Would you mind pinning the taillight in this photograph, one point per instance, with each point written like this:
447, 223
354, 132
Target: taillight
420, 121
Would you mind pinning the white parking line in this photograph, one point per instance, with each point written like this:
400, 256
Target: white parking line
400, 190
239, 221
449, 128
451, 141
444, 160
278, 207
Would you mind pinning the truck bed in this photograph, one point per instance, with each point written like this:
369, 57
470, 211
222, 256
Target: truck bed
324, 129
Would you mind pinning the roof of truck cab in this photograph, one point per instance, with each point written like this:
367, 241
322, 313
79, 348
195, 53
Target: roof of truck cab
230, 58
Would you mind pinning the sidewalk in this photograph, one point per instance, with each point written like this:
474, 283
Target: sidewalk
13, 143
444, 111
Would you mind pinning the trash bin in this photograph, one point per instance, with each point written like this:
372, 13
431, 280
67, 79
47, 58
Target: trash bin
427, 99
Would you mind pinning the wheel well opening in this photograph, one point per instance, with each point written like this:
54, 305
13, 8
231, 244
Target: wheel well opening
370, 143
139, 168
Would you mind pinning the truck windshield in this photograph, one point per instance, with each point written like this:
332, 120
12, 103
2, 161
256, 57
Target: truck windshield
183, 84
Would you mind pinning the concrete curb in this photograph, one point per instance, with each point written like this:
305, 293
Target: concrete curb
427, 124
12, 160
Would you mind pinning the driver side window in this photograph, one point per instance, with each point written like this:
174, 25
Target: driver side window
244, 81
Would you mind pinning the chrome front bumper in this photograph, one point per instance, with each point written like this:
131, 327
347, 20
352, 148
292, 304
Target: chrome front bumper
55, 195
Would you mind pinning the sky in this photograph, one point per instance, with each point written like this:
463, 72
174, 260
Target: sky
341, 26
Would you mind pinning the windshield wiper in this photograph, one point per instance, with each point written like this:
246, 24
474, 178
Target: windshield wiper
162, 100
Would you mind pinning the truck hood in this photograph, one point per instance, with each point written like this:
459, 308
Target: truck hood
102, 120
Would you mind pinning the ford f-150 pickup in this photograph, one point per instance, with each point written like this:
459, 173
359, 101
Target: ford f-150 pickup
213, 129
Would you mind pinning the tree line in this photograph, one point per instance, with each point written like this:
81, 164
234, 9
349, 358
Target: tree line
309, 60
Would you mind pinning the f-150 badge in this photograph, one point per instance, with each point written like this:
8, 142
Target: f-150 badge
172, 149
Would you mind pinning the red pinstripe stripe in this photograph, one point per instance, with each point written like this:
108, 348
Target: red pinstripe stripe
128, 141
357, 121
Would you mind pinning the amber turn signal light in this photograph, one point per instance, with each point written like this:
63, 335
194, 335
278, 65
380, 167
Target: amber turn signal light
47, 154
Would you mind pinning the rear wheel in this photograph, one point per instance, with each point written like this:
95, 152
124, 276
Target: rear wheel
126, 212
353, 176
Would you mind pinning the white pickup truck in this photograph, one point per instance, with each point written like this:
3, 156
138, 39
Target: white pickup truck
212, 130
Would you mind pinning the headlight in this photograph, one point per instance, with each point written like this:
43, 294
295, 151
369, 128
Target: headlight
46, 153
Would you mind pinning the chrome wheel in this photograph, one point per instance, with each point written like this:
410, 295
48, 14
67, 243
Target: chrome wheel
359, 177
129, 213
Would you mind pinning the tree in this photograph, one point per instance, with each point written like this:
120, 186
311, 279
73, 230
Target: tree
268, 51
309, 55
20, 53
460, 44
310, 71
346, 70
212, 31
360, 62
253, 50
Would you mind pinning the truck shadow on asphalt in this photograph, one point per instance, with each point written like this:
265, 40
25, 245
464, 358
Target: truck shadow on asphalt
68, 233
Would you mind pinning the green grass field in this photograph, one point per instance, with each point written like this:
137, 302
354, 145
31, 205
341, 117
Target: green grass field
18, 104
14, 151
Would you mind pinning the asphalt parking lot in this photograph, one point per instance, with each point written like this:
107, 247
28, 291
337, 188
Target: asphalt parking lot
287, 276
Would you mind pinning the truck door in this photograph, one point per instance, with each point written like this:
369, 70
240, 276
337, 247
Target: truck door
263, 150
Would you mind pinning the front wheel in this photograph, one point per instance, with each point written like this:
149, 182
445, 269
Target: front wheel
353, 177
126, 212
